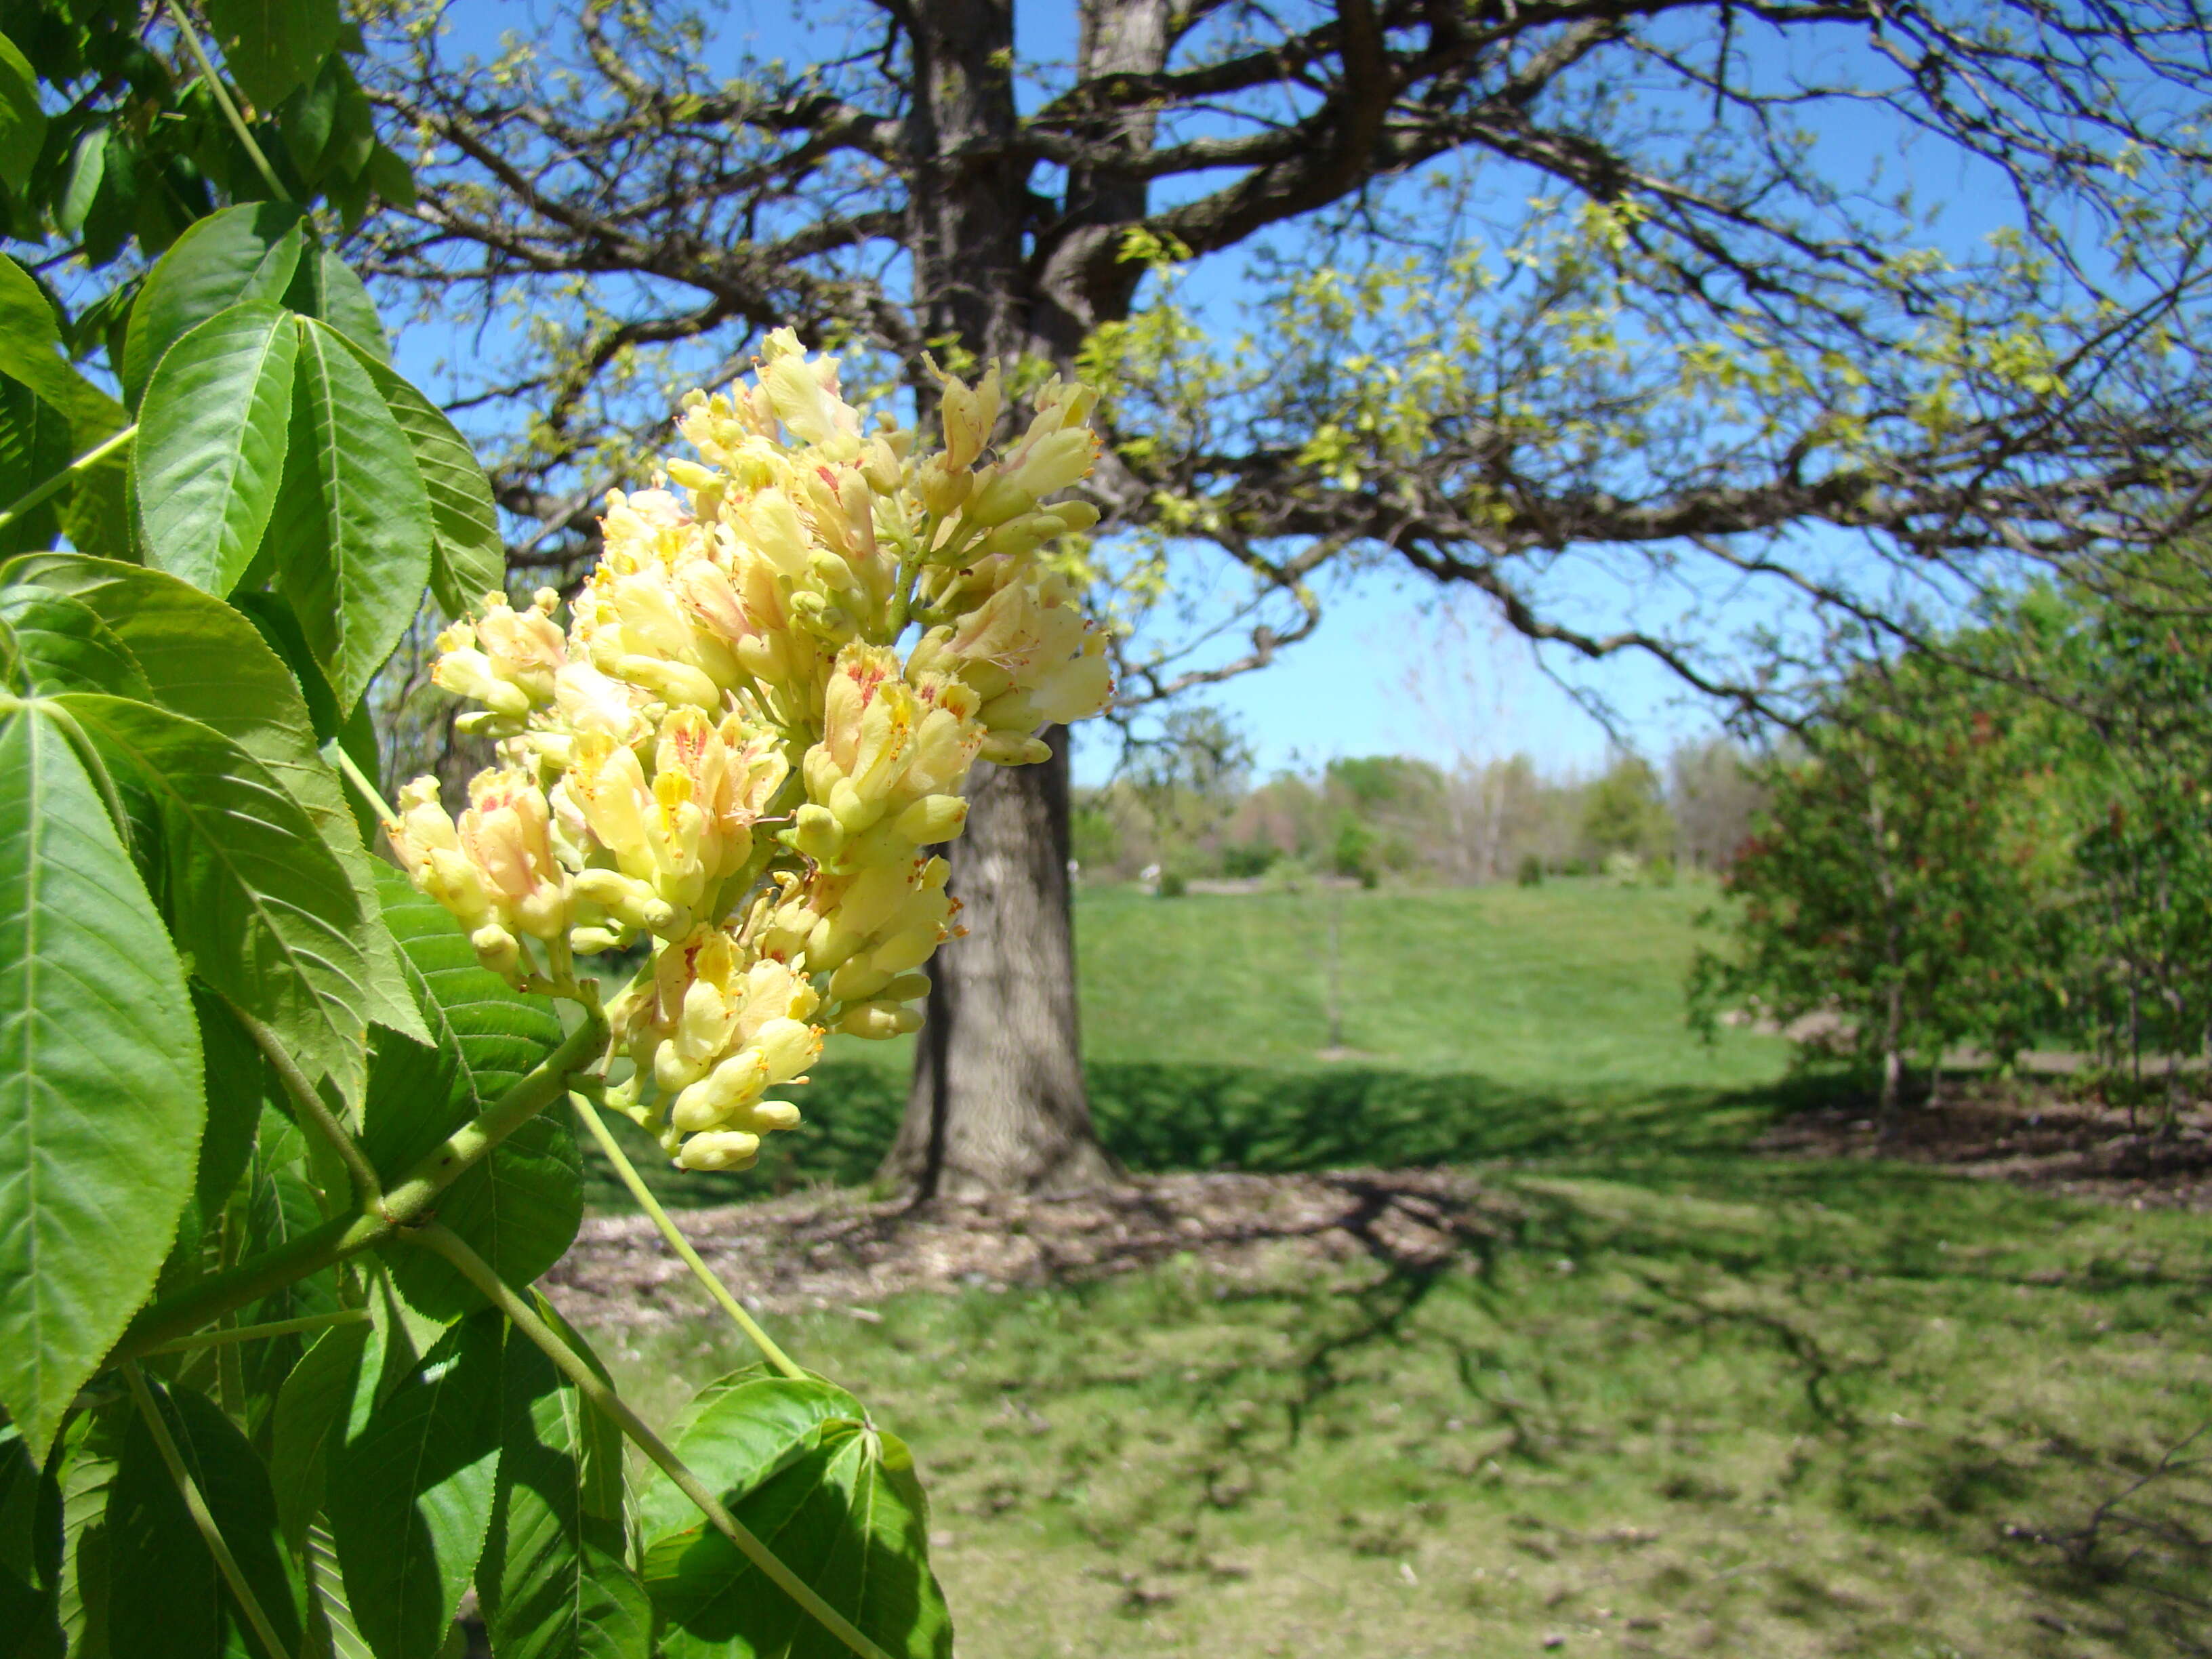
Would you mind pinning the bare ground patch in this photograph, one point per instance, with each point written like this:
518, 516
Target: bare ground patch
833, 1249
2034, 1136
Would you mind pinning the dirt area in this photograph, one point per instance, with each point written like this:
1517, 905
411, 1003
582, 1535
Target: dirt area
816, 1250
835, 1249
2034, 1135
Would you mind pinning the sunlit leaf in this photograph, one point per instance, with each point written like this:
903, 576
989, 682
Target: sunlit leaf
99, 1079
210, 446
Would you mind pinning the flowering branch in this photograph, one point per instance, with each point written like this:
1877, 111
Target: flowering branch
726, 752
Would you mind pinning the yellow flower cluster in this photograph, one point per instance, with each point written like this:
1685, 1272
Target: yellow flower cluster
726, 753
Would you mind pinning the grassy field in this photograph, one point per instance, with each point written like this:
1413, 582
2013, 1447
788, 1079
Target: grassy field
1681, 1399
1476, 1023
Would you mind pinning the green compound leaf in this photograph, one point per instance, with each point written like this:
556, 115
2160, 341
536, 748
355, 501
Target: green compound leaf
468, 556
262, 906
847, 1516
519, 1208
206, 660
411, 1490
242, 255
554, 1581
60, 644
23, 123
270, 46
327, 289
168, 1596
211, 448
312, 1411
30, 1520
352, 521
31, 351
90, 1447
100, 1108
34, 445
738, 1430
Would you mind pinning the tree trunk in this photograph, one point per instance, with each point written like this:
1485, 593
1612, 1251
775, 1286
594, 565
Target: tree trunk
997, 1102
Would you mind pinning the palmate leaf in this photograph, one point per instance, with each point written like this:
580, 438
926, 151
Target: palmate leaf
100, 1108
91, 1446
311, 1412
31, 351
92, 510
168, 1595
272, 45
204, 659
247, 253
210, 447
412, 1491
53, 642
468, 554
260, 903
554, 1581
326, 288
519, 1207
23, 123
847, 1516
351, 526
34, 445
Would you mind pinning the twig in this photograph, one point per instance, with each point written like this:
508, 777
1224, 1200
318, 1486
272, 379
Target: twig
403, 1205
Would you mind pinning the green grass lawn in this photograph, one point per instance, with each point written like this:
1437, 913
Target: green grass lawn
1481, 1022
1688, 1399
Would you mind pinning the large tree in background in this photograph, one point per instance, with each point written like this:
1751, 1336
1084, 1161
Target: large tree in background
1535, 289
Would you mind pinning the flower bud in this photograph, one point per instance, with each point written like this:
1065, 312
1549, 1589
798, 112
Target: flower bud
876, 1021
765, 1115
942, 485
1012, 748
632, 901
496, 949
932, 819
997, 498
723, 1150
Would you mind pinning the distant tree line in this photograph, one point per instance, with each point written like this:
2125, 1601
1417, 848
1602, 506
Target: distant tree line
1190, 807
2001, 843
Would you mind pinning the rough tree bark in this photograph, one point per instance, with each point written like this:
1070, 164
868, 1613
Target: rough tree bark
998, 1102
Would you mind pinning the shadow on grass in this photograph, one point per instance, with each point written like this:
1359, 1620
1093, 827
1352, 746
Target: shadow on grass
1161, 1118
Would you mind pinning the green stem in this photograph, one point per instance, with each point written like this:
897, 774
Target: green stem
367, 1190
37, 493
435, 1237
255, 1332
402, 1206
369, 792
277, 192
706, 1275
201, 1516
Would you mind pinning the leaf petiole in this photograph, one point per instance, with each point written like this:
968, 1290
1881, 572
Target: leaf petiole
37, 493
278, 193
255, 1332
441, 1240
669, 1231
203, 1518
